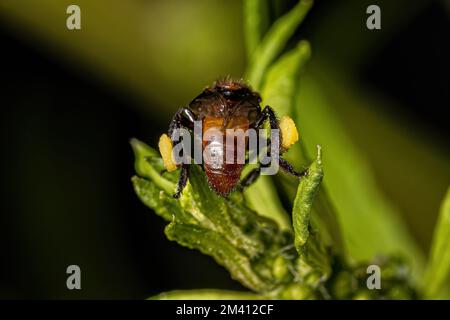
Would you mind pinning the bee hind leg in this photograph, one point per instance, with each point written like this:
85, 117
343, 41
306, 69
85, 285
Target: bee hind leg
253, 175
249, 179
287, 167
268, 113
182, 181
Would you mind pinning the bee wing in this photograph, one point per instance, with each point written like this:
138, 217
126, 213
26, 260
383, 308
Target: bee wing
208, 104
249, 109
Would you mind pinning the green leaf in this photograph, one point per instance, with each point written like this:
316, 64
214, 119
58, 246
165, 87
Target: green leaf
314, 262
212, 213
225, 254
146, 168
256, 23
282, 79
263, 198
306, 192
142, 151
275, 41
154, 198
437, 276
208, 294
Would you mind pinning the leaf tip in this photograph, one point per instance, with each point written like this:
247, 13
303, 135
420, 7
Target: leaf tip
319, 154
305, 48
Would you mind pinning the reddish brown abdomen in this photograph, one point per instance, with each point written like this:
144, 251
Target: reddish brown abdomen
222, 176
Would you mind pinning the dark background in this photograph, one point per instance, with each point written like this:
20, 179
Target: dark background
66, 196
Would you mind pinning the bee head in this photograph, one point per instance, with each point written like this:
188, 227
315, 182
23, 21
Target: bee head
235, 90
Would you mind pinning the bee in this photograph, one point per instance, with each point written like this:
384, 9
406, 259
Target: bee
227, 104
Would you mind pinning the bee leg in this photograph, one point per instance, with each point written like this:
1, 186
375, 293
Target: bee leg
249, 179
253, 175
182, 118
182, 181
268, 113
287, 167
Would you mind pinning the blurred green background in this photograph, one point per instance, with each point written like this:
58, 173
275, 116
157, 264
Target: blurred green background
71, 100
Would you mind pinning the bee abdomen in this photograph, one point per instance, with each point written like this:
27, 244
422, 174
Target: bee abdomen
222, 175
225, 179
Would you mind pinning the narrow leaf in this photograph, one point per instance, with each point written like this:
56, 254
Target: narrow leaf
162, 203
256, 22
314, 261
150, 195
437, 277
275, 41
263, 198
208, 294
145, 167
282, 79
141, 152
306, 192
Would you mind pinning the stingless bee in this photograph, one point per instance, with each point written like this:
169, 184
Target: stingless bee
226, 105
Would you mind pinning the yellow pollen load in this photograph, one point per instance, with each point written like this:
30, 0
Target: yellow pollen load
165, 148
289, 133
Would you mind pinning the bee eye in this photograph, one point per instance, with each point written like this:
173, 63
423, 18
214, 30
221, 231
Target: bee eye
234, 94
